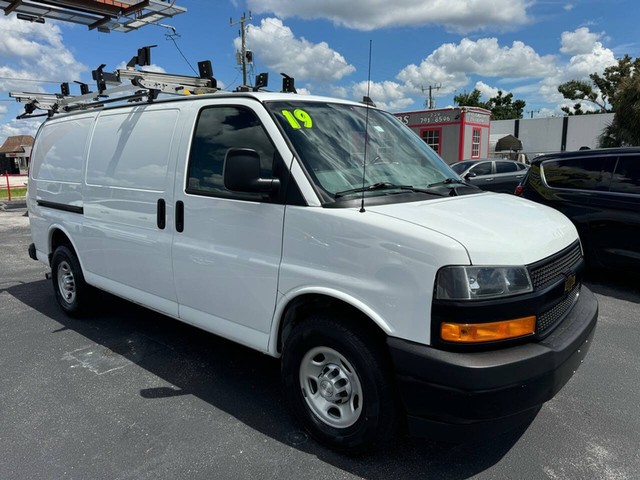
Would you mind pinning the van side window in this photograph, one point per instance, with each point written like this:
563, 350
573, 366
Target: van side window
626, 178
217, 130
588, 173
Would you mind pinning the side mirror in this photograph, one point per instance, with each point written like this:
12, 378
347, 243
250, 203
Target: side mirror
241, 173
469, 175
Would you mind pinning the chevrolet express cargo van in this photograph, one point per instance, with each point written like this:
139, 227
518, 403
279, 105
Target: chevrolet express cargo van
325, 233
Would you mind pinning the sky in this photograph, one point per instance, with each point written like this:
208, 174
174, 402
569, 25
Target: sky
524, 47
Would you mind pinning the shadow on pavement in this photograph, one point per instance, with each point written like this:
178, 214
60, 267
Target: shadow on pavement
244, 384
620, 285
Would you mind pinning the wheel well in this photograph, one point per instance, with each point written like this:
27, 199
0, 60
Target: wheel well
305, 305
58, 237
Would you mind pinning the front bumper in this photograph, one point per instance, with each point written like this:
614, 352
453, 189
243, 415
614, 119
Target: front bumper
448, 394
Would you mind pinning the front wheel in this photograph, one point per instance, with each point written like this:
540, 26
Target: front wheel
69, 287
339, 385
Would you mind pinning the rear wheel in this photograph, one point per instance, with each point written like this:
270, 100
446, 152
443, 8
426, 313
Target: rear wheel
69, 286
339, 385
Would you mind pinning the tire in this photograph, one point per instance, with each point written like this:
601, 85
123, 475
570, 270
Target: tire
339, 386
70, 289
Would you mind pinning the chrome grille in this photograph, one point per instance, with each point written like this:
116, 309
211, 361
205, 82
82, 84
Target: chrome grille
549, 318
545, 273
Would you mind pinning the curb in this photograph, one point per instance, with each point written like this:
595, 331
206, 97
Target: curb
13, 205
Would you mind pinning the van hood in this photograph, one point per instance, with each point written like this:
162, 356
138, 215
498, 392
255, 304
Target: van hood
495, 229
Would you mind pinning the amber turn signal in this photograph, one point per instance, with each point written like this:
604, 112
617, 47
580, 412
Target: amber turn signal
487, 332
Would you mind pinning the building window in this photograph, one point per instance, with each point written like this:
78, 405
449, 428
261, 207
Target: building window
432, 137
475, 143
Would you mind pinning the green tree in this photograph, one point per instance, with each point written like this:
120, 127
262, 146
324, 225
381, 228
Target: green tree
470, 99
601, 89
505, 107
502, 107
624, 130
580, 90
616, 90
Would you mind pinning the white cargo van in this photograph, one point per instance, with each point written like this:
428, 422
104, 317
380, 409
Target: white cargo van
323, 232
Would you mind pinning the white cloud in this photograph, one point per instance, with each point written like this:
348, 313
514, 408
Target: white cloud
339, 92
417, 77
580, 41
486, 91
487, 58
386, 95
36, 52
458, 16
568, 7
275, 46
580, 65
30, 56
583, 63
451, 64
19, 127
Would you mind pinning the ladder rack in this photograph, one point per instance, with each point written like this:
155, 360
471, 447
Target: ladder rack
111, 88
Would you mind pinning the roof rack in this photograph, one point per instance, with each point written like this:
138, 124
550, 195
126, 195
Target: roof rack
112, 86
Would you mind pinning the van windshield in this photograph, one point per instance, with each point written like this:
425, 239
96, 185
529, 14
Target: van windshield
338, 144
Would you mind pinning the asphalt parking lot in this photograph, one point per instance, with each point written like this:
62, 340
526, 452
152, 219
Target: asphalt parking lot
131, 394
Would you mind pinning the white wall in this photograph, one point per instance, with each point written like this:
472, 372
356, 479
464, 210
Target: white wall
584, 130
541, 135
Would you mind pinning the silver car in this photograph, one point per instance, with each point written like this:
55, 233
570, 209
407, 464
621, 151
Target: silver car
494, 175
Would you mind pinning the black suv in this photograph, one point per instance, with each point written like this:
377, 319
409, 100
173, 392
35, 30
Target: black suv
599, 190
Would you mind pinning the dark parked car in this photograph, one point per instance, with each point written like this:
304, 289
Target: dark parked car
599, 190
494, 175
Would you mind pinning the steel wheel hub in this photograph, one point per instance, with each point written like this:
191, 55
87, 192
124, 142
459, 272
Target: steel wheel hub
331, 387
66, 282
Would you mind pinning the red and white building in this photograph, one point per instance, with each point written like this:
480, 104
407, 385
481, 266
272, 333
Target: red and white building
458, 133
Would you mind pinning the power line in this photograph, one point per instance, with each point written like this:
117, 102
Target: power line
171, 37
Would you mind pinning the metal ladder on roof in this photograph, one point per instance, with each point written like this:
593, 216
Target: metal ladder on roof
112, 86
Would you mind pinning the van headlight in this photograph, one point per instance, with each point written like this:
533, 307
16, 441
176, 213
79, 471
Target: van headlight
481, 283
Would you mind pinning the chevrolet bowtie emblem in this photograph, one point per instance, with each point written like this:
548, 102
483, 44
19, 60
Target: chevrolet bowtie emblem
569, 283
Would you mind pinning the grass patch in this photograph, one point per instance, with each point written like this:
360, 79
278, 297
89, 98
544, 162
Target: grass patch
15, 193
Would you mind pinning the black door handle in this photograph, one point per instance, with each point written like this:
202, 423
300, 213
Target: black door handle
161, 214
179, 216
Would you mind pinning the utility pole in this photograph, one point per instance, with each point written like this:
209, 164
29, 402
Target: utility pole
243, 50
430, 103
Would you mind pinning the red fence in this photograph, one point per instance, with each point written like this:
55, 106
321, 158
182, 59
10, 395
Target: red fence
10, 182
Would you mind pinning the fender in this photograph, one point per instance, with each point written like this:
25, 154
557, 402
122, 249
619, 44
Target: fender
285, 299
52, 228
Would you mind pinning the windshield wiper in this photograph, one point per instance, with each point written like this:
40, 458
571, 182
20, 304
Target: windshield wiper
447, 181
388, 186
370, 188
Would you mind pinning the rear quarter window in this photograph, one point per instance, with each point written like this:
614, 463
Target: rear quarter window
587, 173
506, 167
626, 178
